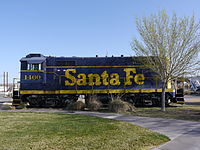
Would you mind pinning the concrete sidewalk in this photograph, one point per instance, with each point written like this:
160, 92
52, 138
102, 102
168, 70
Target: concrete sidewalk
184, 135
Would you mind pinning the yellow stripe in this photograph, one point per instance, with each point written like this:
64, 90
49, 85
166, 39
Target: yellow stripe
32, 70
16, 100
179, 97
15, 104
90, 66
180, 102
92, 91
78, 67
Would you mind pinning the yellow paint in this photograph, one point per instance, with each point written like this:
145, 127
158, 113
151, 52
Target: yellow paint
105, 76
139, 79
93, 91
32, 77
94, 79
92, 66
71, 77
32, 70
169, 84
129, 76
114, 79
81, 79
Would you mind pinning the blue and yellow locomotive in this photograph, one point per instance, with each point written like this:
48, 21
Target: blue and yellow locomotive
56, 81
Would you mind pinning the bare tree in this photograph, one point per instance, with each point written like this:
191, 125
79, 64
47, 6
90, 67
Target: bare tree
170, 46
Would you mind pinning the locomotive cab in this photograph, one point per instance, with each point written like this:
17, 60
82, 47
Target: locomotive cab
31, 74
32, 68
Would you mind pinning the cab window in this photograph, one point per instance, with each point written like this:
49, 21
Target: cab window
24, 65
34, 67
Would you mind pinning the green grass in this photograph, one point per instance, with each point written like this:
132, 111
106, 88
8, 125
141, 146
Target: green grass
53, 131
191, 113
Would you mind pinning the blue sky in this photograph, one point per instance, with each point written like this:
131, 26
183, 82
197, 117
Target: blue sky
75, 27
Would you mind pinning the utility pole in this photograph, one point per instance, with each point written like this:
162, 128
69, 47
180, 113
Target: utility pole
4, 82
7, 81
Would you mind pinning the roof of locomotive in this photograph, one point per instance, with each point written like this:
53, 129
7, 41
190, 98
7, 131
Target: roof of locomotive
34, 58
35, 55
38, 58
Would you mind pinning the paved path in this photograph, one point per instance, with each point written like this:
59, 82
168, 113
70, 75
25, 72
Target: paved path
184, 135
192, 100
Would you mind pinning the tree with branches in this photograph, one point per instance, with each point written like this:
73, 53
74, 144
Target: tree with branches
170, 46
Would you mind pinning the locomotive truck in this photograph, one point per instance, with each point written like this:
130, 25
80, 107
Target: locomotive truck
47, 81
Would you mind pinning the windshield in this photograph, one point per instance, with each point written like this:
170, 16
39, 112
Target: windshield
34, 67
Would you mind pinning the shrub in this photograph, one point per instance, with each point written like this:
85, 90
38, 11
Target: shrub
78, 105
119, 106
93, 103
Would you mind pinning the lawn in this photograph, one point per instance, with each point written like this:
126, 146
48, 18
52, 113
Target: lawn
191, 113
54, 131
